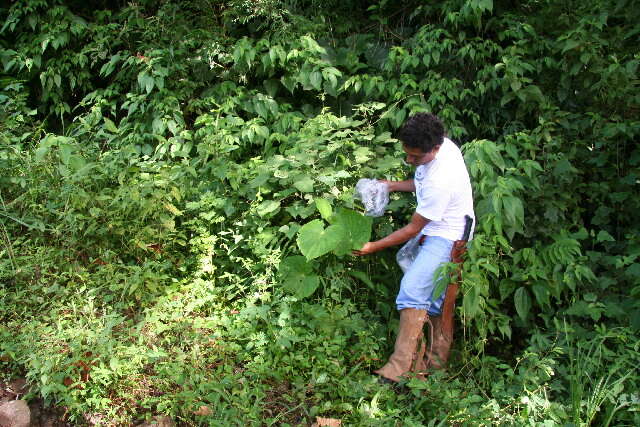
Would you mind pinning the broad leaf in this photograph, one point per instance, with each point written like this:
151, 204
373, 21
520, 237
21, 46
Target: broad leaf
314, 240
356, 230
297, 276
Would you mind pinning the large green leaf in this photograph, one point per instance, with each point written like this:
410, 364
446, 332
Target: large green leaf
297, 276
356, 230
314, 240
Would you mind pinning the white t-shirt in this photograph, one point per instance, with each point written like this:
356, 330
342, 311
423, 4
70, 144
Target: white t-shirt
443, 191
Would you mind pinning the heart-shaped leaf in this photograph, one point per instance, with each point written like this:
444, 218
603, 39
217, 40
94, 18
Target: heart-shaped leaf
314, 240
356, 230
297, 276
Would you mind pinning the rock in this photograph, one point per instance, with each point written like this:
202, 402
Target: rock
158, 421
326, 422
15, 414
203, 411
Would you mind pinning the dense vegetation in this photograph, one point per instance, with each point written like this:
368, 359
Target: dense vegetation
159, 160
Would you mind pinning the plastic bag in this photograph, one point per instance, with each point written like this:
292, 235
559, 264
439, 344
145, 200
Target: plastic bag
374, 195
408, 253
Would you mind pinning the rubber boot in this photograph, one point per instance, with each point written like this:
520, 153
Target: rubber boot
440, 345
420, 365
406, 348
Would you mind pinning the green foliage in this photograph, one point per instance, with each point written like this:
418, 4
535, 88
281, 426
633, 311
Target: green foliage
314, 240
297, 276
349, 230
176, 210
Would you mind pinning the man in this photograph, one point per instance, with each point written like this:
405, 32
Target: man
443, 192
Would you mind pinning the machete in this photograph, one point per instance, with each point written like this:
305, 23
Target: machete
467, 227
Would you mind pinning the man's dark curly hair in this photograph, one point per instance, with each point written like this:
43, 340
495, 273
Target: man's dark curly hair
422, 130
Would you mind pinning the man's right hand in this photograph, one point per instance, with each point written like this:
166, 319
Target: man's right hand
367, 249
407, 185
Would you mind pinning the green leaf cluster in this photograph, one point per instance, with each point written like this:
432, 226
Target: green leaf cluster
348, 230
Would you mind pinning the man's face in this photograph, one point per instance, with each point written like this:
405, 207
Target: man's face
417, 157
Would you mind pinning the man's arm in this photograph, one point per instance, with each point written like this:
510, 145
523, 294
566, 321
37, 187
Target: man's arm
399, 236
406, 185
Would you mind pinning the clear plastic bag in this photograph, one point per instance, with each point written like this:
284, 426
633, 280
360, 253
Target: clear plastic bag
374, 195
408, 253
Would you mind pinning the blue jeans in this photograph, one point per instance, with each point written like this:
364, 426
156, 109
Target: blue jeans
419, 281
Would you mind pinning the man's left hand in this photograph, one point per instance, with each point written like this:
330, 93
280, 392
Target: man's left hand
368, 248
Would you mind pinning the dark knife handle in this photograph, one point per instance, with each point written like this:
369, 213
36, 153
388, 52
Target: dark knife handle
467, 227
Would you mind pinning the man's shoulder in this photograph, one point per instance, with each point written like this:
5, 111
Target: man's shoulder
448, 166
452, 159
450, 148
